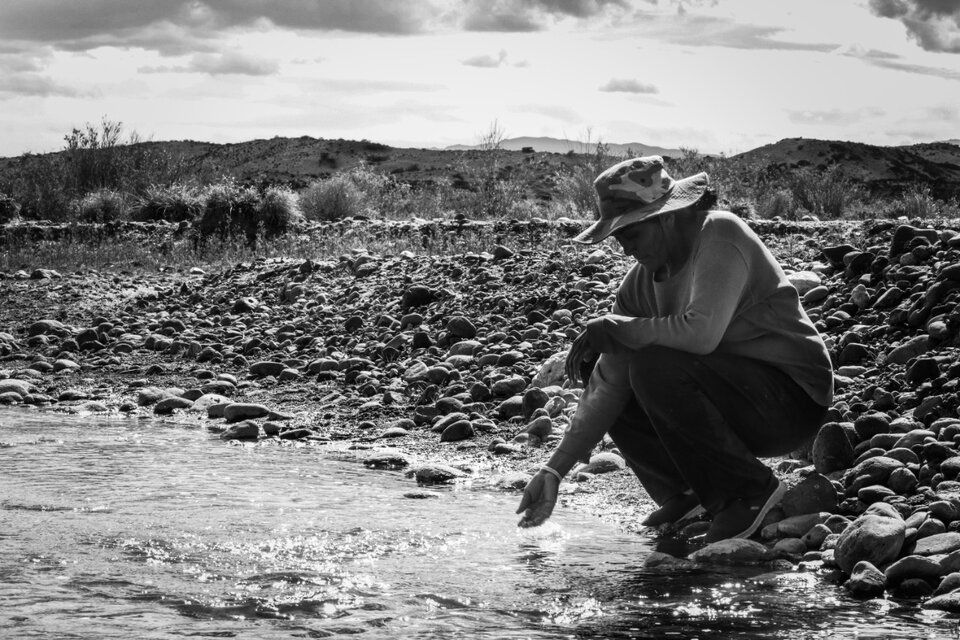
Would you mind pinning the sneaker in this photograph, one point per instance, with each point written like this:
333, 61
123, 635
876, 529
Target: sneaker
742, 517
682, 506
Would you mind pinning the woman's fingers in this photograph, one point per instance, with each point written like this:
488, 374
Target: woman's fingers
539, 499
538, 514
531, 493
524, 502
575, 356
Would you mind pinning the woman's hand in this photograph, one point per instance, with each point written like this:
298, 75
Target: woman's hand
579, 353
539, 499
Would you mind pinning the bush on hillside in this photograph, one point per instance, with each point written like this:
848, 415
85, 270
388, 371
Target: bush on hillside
335, 198
9, 209
916, 202
229, 209
779, 204
279, 210
574, 186
36, 183
102, 205
174, 203
359, 191
827, 194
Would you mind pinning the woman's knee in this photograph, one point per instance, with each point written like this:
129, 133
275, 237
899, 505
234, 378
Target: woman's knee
655, 369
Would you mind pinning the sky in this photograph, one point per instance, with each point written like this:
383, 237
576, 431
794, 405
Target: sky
719, 76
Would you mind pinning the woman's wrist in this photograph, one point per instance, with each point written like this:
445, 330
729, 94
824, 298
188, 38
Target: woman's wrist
561, 462
551, 471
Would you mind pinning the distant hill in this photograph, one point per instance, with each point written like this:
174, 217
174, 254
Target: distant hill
298, 161
555, 145
883, 170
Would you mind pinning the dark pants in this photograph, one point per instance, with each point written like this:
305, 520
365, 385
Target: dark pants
700, 421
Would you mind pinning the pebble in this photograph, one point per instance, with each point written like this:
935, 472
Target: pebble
246, 430
236, 411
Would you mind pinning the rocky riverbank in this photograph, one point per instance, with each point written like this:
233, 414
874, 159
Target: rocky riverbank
450, 367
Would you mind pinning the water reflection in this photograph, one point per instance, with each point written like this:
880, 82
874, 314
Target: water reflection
120, 529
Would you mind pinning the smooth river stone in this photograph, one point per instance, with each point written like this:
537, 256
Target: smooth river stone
941, 543
913, 566
246, 430
237, 411
16, 386
168, 405
866, 581
603, 462
735, 551
874, 538
946, 602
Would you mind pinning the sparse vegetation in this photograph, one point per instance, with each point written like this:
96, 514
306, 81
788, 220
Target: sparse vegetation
9, 209
104, 174
229, 209
173, 203
102, 205
278, 211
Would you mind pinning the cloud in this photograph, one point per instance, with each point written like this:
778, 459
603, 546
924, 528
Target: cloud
373, 86
532, 15
625, 85
933, 24
178, 27
32, 84
487, 62
165, 25
949, 113
698, 30
892, 61
216, 64
835, 116
939, 72
233, 63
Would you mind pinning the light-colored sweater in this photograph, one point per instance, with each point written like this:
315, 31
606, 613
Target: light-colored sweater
731, 296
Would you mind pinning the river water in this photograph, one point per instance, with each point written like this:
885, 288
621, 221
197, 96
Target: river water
124, 528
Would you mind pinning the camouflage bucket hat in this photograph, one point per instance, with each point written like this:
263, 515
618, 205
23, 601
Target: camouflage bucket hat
636, 189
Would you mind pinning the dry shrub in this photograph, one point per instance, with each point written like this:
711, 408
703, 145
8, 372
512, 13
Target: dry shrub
228, 209
826, 193
102, 205
9, 209
779, 204
174, 203
279, 210
350, 193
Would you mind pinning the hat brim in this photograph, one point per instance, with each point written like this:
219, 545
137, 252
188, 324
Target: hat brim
685, 192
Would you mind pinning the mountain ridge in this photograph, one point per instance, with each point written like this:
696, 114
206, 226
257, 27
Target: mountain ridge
298, 161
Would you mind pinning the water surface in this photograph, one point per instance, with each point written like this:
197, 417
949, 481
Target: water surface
124, 528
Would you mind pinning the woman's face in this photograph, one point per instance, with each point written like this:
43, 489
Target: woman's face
644, 241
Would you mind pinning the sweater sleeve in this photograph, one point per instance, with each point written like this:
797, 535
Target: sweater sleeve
719, 282
603, 400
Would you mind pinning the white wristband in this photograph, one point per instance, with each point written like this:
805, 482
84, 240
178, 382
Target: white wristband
552, 472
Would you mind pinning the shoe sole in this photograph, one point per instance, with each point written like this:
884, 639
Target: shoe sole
774, 498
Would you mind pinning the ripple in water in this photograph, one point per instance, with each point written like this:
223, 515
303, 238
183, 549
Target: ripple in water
134, 529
